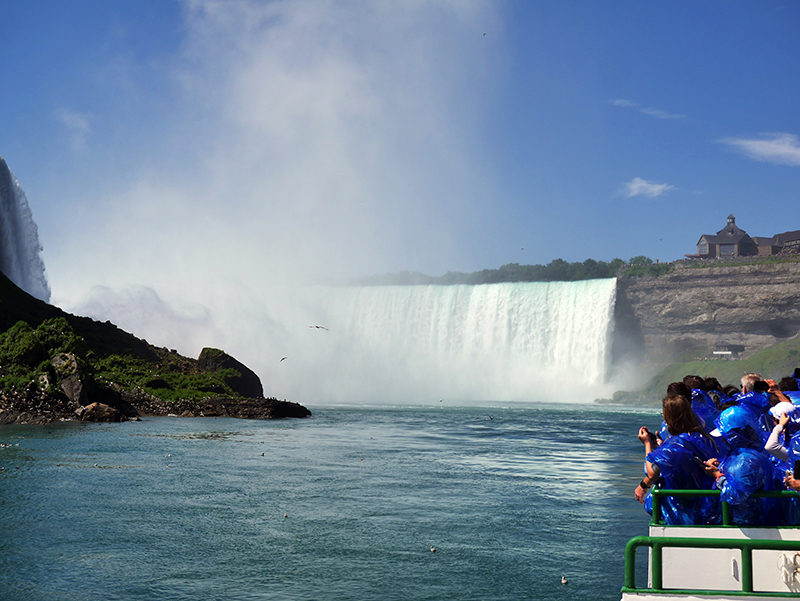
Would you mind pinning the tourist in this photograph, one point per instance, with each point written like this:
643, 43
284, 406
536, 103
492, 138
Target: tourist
677, 464
702, 404
778, 440
715, 391
744, 471
789, 387
756, 398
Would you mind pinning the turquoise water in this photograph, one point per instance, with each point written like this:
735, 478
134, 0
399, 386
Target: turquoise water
344, 505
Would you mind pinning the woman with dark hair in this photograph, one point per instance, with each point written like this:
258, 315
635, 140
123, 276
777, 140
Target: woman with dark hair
678, 464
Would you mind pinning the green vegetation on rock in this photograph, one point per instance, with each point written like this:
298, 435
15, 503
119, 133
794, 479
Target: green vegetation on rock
25, 353
557, 270
774, 362
171, 378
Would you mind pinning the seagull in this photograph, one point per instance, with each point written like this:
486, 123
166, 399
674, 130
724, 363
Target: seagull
283, 359
433, 549
319, 327
563, 579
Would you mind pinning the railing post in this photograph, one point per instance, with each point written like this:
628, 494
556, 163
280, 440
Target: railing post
747, 568
655, 566
656, 508
630, 562
726, 513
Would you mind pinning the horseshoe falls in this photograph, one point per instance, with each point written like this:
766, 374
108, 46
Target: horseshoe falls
20, 250
543, 341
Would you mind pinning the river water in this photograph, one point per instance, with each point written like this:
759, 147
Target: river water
344, 505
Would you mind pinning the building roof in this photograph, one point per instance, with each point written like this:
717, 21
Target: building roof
730, 234
762, 241
785, 237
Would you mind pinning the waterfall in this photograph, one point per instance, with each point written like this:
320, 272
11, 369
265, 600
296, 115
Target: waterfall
20, 250
512, 341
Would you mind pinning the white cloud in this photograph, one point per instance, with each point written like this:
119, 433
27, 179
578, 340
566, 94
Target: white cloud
778, 148
639, 187
647, 110
659, 114
77, 124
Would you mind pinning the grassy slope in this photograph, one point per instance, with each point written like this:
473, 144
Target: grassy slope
774, 362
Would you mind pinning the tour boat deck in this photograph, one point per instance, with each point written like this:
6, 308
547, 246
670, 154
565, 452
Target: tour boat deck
715, 562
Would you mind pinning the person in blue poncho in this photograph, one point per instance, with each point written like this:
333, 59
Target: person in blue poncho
786, 426
716, 392
789, 387
702, 404
677, 464
745, 470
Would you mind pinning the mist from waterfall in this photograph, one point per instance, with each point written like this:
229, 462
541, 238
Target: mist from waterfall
506, 342
20, 249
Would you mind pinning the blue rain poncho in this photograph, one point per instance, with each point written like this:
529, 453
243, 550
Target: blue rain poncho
704, 408
793, 449
741, 425
794, 396
664, 432
675, 459
748, 470
758, 403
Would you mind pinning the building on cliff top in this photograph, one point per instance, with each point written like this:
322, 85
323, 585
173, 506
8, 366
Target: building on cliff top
732, 241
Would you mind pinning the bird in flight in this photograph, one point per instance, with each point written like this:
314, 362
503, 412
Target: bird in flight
282, 359
319, 327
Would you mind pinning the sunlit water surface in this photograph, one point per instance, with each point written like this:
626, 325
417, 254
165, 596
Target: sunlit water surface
344, 505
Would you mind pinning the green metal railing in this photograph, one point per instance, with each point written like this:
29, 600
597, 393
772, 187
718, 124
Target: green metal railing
746, 546
726, 508
656, 544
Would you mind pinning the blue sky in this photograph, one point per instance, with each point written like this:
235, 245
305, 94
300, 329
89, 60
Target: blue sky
173, 149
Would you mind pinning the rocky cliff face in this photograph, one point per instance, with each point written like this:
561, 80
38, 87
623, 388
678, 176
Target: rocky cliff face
694, 309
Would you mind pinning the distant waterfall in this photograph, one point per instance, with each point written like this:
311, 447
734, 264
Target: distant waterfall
514, 341
20, 250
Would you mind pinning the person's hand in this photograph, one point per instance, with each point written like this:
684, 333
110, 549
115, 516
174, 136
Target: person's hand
640, 493
643, 435
772, 385
783, 420
790, 482
712, 468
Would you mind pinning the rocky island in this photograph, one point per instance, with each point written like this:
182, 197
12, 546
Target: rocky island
55, 366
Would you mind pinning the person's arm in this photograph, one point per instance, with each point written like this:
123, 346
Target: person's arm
712, 469
791, 483
652, 475
773, 389
649, 441
773, 446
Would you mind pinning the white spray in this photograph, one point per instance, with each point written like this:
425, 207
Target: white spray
20, 250
515, 342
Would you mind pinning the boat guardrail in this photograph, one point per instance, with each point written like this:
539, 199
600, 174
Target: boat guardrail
746, 546
726, 508
657, 543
